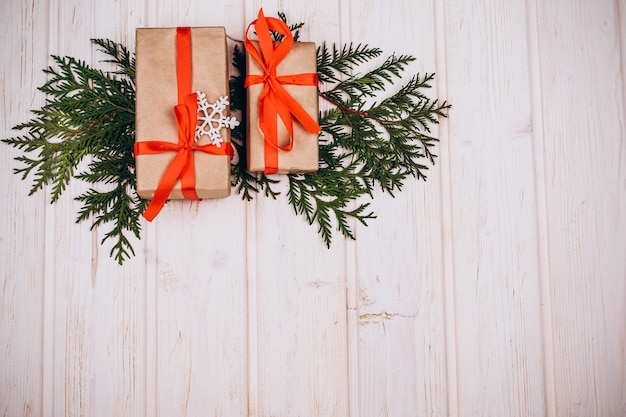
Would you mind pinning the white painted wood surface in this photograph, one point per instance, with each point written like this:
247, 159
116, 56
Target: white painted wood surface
496, 288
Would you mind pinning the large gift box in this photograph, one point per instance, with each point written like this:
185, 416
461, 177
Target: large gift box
159, 90
296, 73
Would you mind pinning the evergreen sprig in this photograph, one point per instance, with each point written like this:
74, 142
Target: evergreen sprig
370, 138
384, 139
89, 115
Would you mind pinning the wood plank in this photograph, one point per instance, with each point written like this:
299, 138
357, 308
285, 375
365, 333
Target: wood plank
97, 306
535, 137
199, 309
297, 320
24, 29
494, 238
585, 159
118, 330
72, 249
542, 210
449, 298
397, 286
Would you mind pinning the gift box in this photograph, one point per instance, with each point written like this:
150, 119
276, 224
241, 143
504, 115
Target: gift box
301, 60
158, 91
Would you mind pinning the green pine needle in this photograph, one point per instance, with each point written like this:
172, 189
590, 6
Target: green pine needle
364, 144
89, 115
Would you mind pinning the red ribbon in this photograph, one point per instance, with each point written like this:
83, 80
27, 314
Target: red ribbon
186, 112
274, 100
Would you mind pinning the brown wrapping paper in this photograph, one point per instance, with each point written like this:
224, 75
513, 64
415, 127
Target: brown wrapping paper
304, 155
157, 94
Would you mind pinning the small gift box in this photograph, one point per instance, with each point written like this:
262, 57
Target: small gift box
182, 139
282, 101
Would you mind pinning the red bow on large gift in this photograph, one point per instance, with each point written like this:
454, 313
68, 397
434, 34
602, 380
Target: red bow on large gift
186, 112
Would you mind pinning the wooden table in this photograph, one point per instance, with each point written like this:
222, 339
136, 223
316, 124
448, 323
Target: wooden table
495, 288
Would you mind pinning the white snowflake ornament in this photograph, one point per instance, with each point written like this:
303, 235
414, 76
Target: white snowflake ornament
211, 119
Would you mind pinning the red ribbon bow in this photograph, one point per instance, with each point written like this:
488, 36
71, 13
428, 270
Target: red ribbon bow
274, 100
182, 166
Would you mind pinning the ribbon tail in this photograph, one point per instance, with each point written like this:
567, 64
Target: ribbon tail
269, 126
287, 104
188, 179
166, 185
186, 115
284, 113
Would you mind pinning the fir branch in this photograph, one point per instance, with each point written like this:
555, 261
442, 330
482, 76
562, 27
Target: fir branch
294, 29
331, 65
367, 141
120, 56
370, 138
88, 114
325, 197
391, 137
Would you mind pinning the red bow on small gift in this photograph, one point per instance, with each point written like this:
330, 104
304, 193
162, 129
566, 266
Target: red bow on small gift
274, 100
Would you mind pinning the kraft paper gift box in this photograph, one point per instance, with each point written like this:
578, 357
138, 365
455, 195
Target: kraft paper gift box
157, 94
303, 157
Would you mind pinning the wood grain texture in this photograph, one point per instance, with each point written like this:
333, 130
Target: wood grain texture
585, 161
400, 363
542, 215
297, 305
495, 288
445, 183
200, 310
22, 218
496, 281
69, 270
